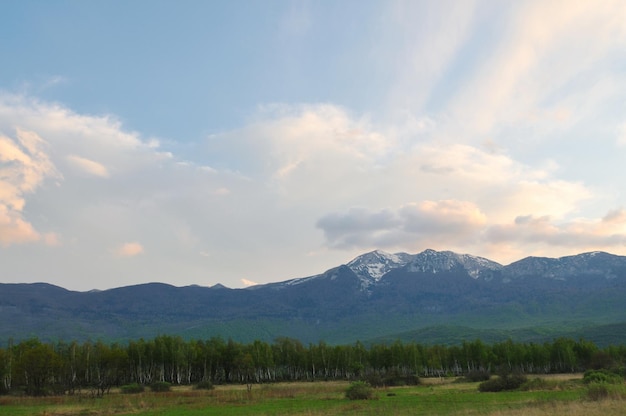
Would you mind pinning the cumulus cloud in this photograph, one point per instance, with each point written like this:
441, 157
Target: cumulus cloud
360, 227
414, 225
285, 139
292, 172
576, 234
24, 166
428, 194
14, 230
461, 225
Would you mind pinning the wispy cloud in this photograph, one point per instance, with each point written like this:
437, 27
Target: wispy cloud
543, 47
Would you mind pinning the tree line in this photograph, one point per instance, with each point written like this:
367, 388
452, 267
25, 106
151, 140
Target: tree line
37, 368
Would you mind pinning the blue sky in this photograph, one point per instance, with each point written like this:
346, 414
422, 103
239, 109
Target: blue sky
254, 141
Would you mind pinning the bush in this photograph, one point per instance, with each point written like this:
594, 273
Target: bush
602, 376
160, 386
204, 385
359, 390
503, 383
132, 388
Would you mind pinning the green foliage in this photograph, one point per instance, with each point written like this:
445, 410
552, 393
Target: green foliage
37, 368
359, 390
160, 386
602, 376
132, 388
503, 383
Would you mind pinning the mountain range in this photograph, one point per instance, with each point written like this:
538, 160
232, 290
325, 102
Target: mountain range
432, 296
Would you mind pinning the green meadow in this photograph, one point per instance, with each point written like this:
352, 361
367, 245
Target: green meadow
547, 395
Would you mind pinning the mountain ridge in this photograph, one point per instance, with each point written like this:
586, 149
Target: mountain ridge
373, 295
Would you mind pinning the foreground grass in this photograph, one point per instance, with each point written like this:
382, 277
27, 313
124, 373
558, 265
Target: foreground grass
435, 397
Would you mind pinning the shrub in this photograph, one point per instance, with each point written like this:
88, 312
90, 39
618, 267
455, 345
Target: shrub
132, 388
160, 386
359, 390
204, 385
503, 383
602, 376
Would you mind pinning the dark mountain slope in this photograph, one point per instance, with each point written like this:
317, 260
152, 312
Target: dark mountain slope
374, 295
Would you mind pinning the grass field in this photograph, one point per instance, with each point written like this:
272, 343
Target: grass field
553, 395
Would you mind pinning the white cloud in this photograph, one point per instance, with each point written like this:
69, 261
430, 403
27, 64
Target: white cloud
88, 166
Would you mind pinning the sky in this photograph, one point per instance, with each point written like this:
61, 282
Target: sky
247, 142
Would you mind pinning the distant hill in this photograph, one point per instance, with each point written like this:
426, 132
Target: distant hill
433, 296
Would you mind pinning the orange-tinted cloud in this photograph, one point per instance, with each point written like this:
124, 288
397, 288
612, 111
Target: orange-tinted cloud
129, 250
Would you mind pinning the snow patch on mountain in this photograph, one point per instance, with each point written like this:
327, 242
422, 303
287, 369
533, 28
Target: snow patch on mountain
476, 266
371, 267
431, 261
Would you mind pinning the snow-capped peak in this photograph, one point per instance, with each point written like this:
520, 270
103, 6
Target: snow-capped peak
437, 261
370, 267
